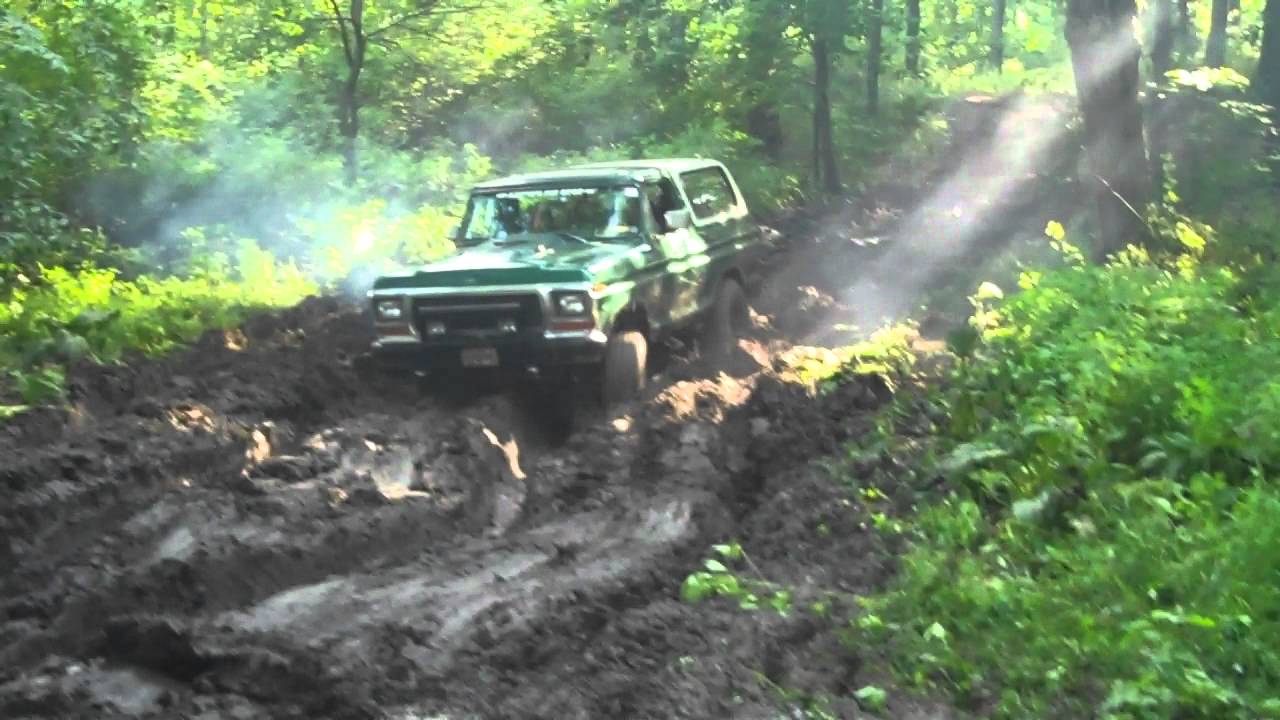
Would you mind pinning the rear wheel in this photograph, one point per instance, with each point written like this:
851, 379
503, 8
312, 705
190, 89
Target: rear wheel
726, 321
625, 360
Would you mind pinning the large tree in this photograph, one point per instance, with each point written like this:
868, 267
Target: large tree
1266, 80
826, 22
913, 37
875, 48
824, 152
1105, 57
1215, 49
1186, 32
1163, 23
996, 54
764, 53
358, 26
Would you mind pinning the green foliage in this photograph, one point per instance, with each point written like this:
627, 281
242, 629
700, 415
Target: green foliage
38, 386
886, 352
93, 313
872, 698
1108, 538
1220, 173
766, 186
718, 580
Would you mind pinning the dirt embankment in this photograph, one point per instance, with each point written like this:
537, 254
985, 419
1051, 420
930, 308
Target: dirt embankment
252, 529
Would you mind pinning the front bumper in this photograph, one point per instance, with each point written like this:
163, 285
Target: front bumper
514, 354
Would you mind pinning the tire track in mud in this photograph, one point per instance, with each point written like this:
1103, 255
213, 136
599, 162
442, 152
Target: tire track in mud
253, 530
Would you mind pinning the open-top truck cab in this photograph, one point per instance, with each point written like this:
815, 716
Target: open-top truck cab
578, 269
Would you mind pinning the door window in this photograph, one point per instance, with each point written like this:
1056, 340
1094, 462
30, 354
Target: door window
709, 192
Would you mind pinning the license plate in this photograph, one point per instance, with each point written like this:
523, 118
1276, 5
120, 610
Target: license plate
479, 357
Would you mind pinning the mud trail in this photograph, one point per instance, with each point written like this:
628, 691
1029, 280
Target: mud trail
253, 529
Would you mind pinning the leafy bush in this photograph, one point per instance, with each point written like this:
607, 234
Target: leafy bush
1108, 543
94, 313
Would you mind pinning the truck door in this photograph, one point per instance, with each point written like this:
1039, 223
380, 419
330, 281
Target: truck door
722, 227
682, 250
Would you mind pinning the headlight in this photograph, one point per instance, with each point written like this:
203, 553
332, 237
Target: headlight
389, 309
573, 304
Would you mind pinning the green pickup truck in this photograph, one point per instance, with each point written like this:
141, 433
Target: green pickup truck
578, 271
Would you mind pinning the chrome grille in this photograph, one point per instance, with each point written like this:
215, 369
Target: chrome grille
477, 315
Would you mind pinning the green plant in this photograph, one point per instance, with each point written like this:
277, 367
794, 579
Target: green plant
39, 385
1100, 547
886, 352
93, 313
872, 698
717, 580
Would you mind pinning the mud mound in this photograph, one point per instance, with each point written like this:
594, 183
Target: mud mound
291, 364
393, 564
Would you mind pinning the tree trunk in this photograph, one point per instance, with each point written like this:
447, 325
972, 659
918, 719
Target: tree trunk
349, 124
824, 153
997, 34
1186, 32
354, 42
764, 123
1215, 49
1104, 58
875, 42
913, 37
766, 50
1266, 81
1162, 31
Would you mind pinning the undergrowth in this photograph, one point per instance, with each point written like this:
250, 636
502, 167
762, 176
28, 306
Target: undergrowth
1105, 544
66, 315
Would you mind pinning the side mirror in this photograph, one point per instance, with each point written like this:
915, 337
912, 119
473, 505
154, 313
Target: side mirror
678, 219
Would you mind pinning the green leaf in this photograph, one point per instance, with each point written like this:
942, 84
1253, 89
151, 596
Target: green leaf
872, 698
989, 291
731, 551
969, 455
1032, 510
963, 341
696, 588
715, 566
8, 411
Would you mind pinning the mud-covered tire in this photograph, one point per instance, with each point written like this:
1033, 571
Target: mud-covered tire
726, 321
625, 360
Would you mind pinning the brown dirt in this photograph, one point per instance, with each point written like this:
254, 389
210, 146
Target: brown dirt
253, 529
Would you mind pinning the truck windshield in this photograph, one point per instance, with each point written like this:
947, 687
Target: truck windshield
588, 213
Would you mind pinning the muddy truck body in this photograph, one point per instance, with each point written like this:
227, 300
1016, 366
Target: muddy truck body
576, 272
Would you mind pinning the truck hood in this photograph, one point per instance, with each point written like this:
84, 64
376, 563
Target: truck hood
544, 259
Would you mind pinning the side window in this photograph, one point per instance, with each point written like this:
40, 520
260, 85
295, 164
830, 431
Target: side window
662, 196
709, 192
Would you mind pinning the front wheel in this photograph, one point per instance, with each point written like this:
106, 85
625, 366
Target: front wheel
726, 321
624, 367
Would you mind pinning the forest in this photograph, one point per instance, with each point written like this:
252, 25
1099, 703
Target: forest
1076, 498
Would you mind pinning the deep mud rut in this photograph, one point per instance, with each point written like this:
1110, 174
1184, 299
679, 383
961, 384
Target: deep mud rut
254, 529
